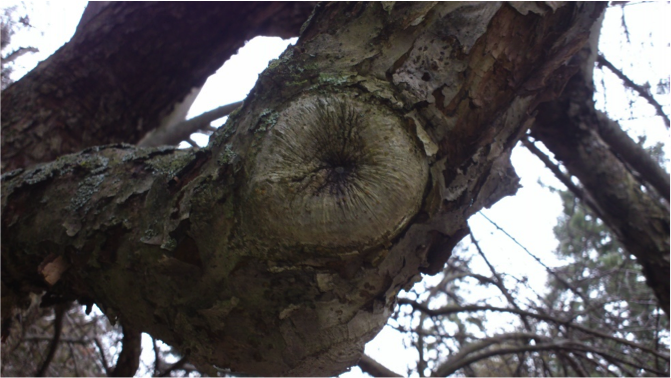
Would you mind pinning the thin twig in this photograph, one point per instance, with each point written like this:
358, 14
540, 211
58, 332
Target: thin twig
374, 368
643, 92
539, 261
498, 280
447, 310
582, 195
102, 356
452, 366
59, 311
20, 51
172, 135
455, 364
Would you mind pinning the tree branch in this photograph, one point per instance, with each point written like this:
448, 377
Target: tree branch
455, 364
577, 191
568, 128
191, 244
173, 134
129, 358
123, 90
547, 268
103, 358
452, 366
498, 281
59, 311
20, 51
447, 310
643, 92
634, 155
374, 368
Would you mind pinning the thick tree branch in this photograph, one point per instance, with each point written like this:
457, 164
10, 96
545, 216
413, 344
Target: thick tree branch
114, 59
103, 358
578, 192
639, 222
632, 153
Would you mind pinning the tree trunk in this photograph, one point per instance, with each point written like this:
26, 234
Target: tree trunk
351, 167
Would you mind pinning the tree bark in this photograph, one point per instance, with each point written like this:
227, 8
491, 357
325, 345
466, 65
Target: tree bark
351, 167
125, 68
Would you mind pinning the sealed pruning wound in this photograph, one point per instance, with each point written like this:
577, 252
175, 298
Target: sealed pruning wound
338, 172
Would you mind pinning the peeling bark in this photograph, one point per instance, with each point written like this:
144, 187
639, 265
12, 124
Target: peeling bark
396, 119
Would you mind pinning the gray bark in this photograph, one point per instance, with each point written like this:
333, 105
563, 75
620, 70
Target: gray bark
352, 167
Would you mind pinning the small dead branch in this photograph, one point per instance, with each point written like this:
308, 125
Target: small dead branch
173, 134
642, 91
374, 368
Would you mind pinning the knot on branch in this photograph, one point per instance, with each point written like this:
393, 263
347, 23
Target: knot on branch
336, 172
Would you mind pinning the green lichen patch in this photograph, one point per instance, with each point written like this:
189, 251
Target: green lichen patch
87, 188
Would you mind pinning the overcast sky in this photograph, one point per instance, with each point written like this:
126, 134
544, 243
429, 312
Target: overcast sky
529, 216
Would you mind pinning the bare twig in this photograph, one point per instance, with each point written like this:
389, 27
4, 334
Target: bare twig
69, 340
20, 51
103, 358
173, 134
643, 92
374, 368
455, 364
582, 195
568, 360
447, 310
498, 281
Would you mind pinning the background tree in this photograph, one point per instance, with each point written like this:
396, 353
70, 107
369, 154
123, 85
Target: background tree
440, 243
598, 318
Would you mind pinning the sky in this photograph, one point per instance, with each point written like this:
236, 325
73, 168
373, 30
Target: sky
529, 216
